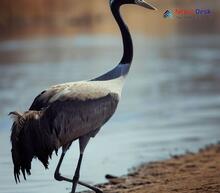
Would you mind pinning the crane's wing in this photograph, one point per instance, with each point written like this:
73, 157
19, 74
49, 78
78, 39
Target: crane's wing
42, 100
83, 90
72, 118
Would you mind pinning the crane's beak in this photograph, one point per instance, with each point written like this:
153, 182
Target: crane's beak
142, 3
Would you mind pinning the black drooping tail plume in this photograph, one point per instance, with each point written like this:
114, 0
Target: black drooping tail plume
31, 138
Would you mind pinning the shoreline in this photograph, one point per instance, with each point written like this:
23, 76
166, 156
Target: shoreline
189, 173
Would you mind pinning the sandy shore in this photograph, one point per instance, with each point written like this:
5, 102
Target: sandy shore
190, 173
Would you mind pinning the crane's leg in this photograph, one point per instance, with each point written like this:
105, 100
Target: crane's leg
57, 175
83, 141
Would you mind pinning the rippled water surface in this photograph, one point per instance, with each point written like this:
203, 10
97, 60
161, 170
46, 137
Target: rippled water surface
170, 103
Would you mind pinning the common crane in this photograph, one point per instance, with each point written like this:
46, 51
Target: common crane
71, 111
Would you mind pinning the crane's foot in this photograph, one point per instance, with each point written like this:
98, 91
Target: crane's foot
59, 177
95, 189
98, 191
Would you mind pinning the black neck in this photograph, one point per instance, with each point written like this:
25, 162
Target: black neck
126, 36
123, 67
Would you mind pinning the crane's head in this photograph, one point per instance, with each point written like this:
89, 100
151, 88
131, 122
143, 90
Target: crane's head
141, 3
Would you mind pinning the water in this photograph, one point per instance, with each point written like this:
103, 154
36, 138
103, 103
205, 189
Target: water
170, 103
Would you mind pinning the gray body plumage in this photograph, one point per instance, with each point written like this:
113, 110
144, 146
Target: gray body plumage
78, 108
58, 116
71, 119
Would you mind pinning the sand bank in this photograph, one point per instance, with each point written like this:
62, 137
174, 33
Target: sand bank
190, 173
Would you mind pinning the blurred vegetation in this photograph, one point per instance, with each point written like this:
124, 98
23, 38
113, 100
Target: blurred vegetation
25, 18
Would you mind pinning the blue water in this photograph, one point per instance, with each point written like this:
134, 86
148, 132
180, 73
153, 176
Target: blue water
170, 103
